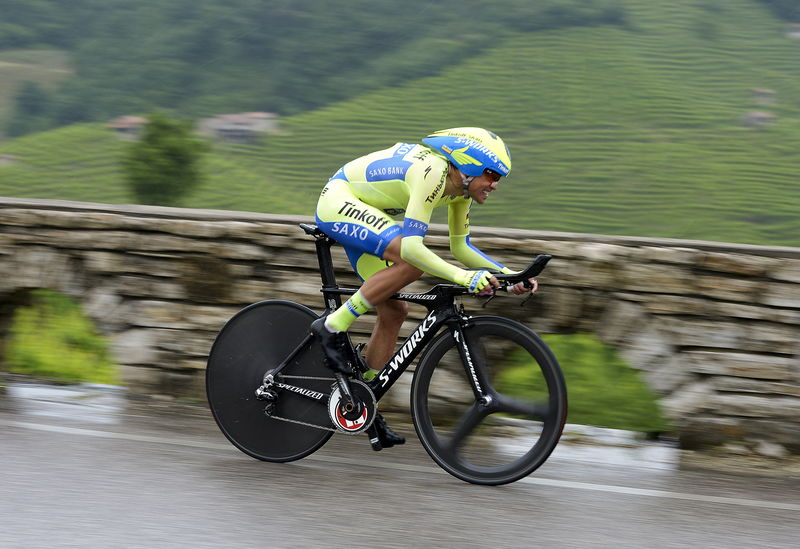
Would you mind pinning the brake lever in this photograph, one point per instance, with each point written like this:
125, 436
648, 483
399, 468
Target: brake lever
530, 295
506, 289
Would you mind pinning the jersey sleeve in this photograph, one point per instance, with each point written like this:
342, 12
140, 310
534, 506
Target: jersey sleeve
460, 246
426, 181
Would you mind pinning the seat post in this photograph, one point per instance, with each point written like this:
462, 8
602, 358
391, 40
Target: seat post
323, 243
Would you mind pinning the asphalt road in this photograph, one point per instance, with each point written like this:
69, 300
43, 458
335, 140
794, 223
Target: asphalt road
93, 469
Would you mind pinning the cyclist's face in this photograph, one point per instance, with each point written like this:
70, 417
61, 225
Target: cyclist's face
482, 185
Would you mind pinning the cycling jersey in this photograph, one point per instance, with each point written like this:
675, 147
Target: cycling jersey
357, 205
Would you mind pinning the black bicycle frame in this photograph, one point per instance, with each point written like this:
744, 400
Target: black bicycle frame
442, 311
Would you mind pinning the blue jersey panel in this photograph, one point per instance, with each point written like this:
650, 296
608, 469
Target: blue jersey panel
412, 227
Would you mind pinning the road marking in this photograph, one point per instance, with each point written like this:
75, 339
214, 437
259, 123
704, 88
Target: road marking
627, 490
112, 435
538, 481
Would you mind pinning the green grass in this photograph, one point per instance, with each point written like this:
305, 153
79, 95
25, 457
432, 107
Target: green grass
602, 389
44, 67
52, 338
630, 130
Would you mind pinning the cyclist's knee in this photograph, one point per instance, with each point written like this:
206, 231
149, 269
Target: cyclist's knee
392, 253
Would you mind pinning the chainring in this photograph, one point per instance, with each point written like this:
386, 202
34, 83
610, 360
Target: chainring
363, 394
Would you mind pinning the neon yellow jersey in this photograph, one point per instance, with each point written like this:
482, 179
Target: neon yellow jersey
406, 179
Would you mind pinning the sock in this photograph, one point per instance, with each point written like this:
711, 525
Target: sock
341, 319
370, 374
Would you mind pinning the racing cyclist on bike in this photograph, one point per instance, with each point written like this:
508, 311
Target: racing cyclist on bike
453, 167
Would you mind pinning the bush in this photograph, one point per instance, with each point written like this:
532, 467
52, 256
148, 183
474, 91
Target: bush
53, 338
603, 390
162, 168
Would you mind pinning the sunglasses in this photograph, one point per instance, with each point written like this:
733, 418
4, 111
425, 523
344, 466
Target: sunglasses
492, 175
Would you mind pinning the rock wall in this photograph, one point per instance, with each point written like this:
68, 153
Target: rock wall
713, 327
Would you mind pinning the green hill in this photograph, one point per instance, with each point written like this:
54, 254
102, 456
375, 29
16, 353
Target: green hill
619, 130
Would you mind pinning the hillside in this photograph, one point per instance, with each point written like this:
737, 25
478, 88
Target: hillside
619, 130
198, 57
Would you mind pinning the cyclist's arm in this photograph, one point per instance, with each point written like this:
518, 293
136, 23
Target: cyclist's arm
460, 246
424, 193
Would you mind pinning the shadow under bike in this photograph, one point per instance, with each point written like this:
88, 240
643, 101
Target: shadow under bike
274, 399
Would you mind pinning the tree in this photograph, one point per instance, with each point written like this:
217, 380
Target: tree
163, 167
32, 105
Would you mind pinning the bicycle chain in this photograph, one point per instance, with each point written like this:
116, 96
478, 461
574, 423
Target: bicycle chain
302, 423
297, 421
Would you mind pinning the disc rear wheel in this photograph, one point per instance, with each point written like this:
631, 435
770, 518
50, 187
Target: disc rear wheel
254, 341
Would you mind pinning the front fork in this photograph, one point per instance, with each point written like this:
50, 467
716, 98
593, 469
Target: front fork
476, 372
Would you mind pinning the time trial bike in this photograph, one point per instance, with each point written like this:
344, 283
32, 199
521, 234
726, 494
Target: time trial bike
488, 398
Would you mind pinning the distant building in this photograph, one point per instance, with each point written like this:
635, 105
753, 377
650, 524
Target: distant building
755, 119
127, 127
7, 159
763, 96
244, 127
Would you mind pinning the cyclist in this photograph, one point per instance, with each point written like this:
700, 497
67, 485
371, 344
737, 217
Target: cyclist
453, 167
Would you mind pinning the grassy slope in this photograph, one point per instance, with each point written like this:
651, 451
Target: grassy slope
617, 131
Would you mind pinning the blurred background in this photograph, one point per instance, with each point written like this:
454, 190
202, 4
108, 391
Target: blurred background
669, 119
624, 117
639, 118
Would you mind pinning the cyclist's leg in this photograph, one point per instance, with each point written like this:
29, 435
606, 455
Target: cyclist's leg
379, 286
383, 279
391, 315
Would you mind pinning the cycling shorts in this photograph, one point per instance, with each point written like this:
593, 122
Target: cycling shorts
364, 231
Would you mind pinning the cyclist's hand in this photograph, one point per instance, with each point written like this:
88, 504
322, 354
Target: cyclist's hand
519, 288
476, 281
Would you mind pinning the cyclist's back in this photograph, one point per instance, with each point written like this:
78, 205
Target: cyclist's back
387, 179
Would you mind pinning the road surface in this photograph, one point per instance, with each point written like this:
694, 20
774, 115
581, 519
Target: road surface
91, 468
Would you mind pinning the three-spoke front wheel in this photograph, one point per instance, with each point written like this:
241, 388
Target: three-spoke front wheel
510, 430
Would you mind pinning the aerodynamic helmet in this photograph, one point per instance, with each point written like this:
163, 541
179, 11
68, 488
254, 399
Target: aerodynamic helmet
472, 150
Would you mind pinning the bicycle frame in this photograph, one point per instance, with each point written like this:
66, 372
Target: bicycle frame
442, 311
241, 354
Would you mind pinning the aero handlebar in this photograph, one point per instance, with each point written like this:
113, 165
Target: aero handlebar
531, 271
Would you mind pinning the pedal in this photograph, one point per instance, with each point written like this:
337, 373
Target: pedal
374, 440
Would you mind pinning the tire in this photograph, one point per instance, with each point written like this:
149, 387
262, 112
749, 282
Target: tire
512, 436
257, 339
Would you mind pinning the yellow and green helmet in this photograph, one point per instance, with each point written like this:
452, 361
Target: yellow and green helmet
472, 150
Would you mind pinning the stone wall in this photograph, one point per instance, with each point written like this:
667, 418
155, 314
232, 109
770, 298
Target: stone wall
713, 327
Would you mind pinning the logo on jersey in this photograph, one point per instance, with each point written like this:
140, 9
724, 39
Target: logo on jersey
363, 216
386, 169
412, 227
431, 197
460, 155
